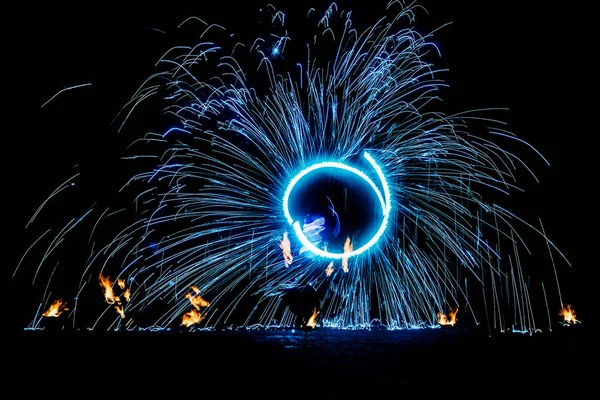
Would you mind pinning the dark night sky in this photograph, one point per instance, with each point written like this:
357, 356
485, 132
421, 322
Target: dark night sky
533, 60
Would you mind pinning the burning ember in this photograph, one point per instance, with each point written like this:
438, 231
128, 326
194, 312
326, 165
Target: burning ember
312, 321
193, 317
569, 315
329, 269
190, 318
347, 249
56, 309
109, 293
107, 286
449, 319
196, 300
120, 310
285, 246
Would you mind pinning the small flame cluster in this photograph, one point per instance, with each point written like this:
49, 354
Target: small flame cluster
348, 247
194, 316
59, 306
55, 309
286, 249
448, 319
568, 314
109, 293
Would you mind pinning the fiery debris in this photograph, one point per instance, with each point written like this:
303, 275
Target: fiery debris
329, 269
195, 299
569, 315
347, 249
109, 293
120, 310
312, 321
193, 316
285, 245
107, 287
55, 309
448, 319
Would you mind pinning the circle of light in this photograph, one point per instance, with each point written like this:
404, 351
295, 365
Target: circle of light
384, 200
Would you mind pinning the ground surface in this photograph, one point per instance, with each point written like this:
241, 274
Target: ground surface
328, 364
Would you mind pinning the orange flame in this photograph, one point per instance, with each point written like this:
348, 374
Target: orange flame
285, 245
190, 318
569, 315
107, 286
55, 309
120, 310
196, 300
347, 248
127, 294
193, 316
312, 321
449, 319
121, 283
329, 269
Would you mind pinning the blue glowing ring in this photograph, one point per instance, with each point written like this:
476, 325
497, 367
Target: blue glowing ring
384, 199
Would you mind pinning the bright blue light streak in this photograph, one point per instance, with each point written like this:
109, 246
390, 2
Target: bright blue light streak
176, 129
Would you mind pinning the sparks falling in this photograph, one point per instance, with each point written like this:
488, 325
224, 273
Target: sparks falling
209, 211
